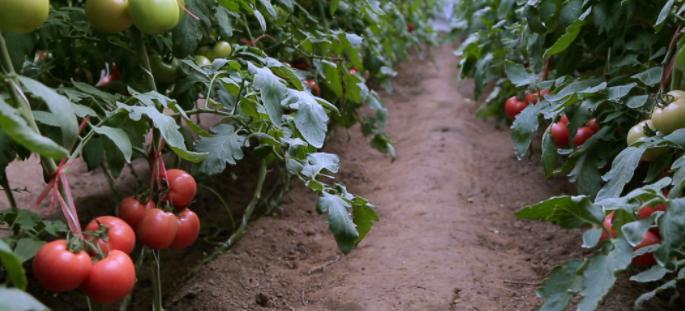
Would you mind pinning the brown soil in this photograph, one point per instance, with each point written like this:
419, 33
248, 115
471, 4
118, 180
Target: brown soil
447, 239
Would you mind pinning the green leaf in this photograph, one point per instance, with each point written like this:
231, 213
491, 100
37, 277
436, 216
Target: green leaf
518, 75
13, 266
187, 35
318, 162
601, 273
260, 19
332, 75
310, 119
225, 147
272, 90
652, 274
524, 127
60, 107
635, 102
12, 299
167, 127
16, 128
560, 286
671, 228
119, 138
650, 77
566, 39
622, 170
565, 211
364, 216
616, 93
26, 248
670, 285
549, 153
665, 11
339, 220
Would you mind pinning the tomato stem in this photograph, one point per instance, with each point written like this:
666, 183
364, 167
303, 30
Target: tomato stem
5, 183
256, 198
156, 283
139, 263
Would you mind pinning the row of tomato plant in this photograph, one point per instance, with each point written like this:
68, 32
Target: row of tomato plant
196, 83
598, 84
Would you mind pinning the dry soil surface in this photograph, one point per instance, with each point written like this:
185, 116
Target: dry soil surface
447, 239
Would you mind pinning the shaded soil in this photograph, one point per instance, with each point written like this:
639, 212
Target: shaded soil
447, 239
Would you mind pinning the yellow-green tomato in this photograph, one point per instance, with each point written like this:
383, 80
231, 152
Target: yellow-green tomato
154, 16
636, 133
221, 49
108, 15
671, 117
23, 16
202, 61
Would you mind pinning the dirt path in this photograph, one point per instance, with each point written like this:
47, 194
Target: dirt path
447, 240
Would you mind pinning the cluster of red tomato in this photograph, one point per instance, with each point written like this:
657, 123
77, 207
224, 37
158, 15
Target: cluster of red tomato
559, 132
64, 265
513, 106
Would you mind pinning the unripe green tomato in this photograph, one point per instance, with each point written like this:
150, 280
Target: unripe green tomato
154, 16
222, 49
23, 16
181, 8
202, 61
108, 15
164, 72
636, 133
671, 117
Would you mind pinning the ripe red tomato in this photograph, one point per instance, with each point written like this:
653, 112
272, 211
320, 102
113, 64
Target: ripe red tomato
120, 235
649, 210
58, 269
300, 64
188, 229
593, 124
582, 135
513, 106
132, 211
108, 15
111, 279
314, 87
182, 188
559, 133
158, 228
646, 260
564, 119
534, 97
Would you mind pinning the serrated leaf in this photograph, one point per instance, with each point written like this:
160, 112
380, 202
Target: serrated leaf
119, 138
560, 286
16, 128
317, 162
601, 273
340, 221
518, 75
272, 92
622, 171
225, 147
311, 120
59, 106
565, 211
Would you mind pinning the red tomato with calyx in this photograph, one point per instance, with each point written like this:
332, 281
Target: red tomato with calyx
120, 235
534, 97
646, 260
158, 228
593, 124
582, 135
132, 211
188, 229
559, 133
58, 269
111, 279
314, 87
182, 188
513, 106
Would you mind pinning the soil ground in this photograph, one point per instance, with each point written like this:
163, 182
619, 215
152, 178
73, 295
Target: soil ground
447, 239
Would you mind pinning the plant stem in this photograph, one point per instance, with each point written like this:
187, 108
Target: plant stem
24, 107
139, 263
256, 197
144, 58
5, 183
156, 283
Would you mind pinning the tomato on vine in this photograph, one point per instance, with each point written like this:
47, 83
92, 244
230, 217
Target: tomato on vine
58, 269
120, 235
582, 135
132, 211
164, 72
202, 61
111, 279
154, 16
108, 15
221, 49
534, 97
182, 187
513, 106
671, 117
608, 225
188, 229
157, 229
559, 132
647, 259
23, 16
